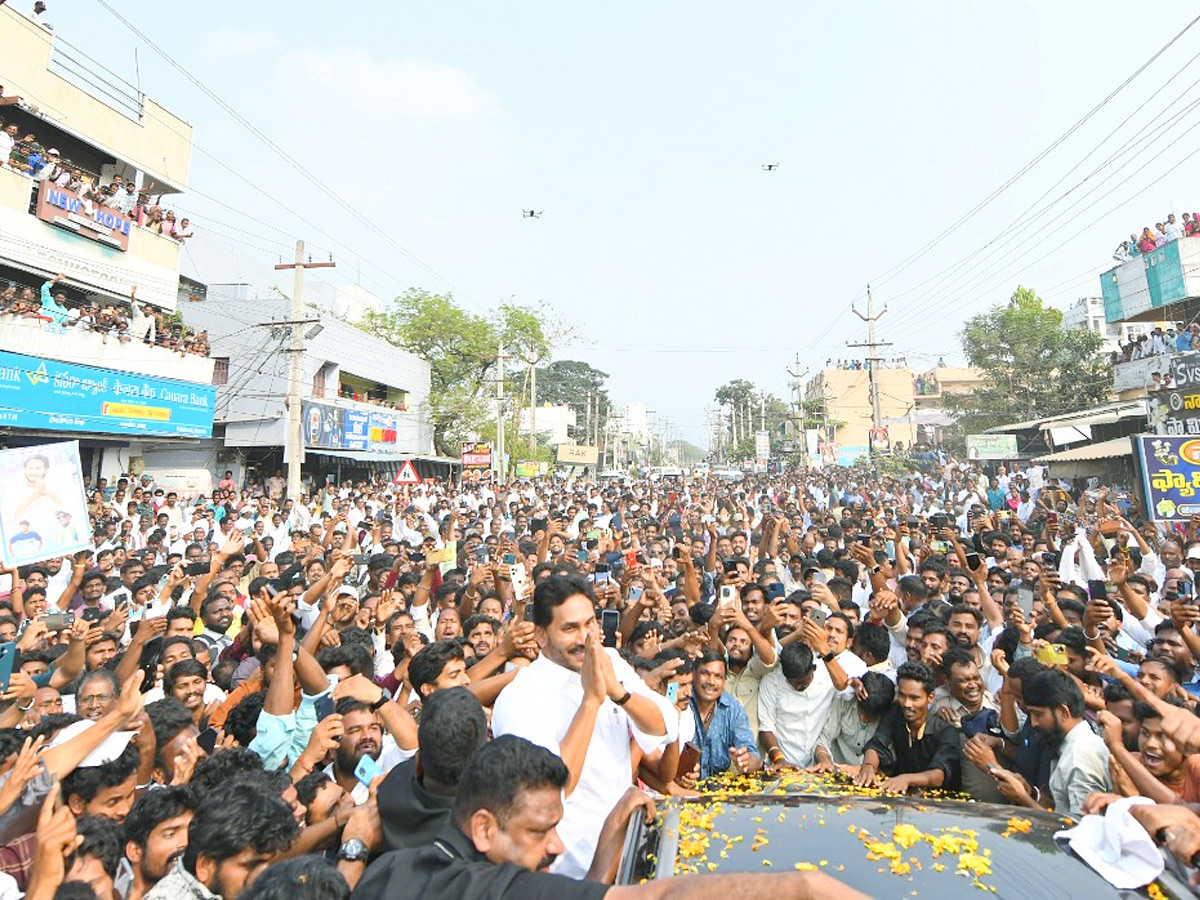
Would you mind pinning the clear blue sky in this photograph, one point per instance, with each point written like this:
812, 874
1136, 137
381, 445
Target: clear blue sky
641, 129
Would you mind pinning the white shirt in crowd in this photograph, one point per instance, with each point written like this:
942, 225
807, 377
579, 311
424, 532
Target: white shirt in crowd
795, 717
539, 705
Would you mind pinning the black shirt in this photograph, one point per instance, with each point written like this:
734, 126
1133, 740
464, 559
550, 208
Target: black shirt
411, 815
452, 869
938, 747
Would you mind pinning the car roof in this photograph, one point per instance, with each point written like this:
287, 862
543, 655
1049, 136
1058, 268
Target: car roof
882, 845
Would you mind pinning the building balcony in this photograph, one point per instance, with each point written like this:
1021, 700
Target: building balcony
1141, 288
34, 338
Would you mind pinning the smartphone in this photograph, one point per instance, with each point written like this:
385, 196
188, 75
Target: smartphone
58, 621
728, 593
910, 521
631, 559
581, 556
1025, 601
207, 739
601, 574
864, 539
367, 771
730, 567
939, 521
973, 561
1185, 591
1052, 518
689, 758
610, 621
8, 653
819, 616
536, 525
673, 691
324, 706
819, 577
594, 534
775, 591
361, 559
869, 524
1052, 655
509, 559
939, 546
677, 552
195, 569
635, 594
1097, 589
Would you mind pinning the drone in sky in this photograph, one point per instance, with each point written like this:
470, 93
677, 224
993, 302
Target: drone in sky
770, 167
532, 213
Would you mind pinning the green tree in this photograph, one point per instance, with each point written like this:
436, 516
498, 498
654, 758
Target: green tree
460, 347
1035, 367
568, 382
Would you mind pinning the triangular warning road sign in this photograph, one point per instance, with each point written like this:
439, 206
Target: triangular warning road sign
407, 474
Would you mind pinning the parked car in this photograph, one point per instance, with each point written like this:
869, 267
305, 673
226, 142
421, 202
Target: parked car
886, 846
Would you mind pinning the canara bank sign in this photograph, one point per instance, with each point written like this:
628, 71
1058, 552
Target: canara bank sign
64, 209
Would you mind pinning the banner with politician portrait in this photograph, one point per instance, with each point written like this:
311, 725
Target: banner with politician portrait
43, 509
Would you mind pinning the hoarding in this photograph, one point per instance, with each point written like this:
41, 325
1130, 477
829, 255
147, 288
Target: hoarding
477, 455
578, 454
991, 446
43, 510
39, 393
1170, 468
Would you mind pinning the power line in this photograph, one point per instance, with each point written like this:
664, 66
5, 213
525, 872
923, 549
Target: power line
900, 267
283, 154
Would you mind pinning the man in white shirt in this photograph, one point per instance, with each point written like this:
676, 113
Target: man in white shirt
1173, 230
582, 701
793, 704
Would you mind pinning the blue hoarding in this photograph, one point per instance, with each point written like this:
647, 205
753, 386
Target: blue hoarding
1170, 475
56, 396
357, 427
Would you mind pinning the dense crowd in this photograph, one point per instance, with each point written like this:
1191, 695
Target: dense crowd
367, 688
1161, 234
124, 322
25, 154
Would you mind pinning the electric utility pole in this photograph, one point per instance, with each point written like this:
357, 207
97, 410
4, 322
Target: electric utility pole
294, 443
874, 359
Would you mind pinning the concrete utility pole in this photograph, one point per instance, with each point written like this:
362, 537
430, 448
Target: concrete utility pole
295, 439
873, 360
533, 454
800, 429
501, 470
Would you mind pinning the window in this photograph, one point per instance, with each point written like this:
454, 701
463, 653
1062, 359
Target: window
220, 370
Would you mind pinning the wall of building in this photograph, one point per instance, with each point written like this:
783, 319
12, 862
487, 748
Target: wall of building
159, 143
846, 395
252, 402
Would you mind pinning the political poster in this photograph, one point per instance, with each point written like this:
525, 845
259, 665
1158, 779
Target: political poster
43, 509
1170, 467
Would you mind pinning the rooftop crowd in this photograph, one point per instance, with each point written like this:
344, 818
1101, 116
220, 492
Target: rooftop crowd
123, 322
25, 154
1161, 234
441, 691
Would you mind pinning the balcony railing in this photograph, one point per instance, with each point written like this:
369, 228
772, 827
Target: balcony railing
34, 338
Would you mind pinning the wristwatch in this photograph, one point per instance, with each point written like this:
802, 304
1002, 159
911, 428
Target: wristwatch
828, 657
353, 850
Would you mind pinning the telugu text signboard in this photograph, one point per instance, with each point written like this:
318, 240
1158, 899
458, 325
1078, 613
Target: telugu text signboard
1170, 467
47, 394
